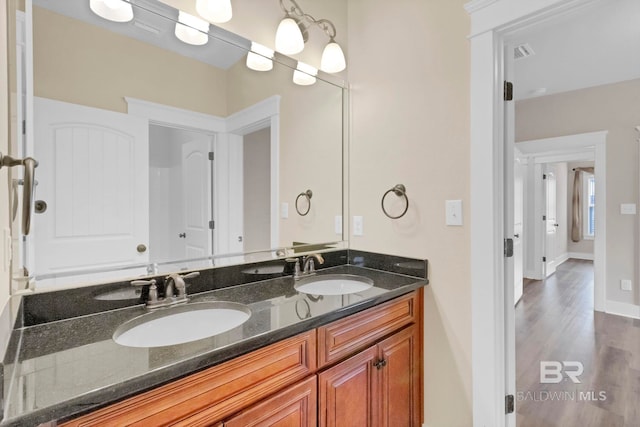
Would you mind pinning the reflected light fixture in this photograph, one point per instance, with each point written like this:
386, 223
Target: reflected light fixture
191, 29
260, 57
113, 10
292, 34
304, 74
216, 11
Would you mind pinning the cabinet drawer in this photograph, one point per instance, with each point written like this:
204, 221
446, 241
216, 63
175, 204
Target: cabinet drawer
294, 406
215, 393
346, 336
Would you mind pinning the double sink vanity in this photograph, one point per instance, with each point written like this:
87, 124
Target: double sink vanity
251, 343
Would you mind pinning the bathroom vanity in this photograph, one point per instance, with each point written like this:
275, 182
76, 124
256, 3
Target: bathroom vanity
308, 359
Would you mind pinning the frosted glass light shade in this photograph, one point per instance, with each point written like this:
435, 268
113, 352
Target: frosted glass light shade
332, 58
289, 38
304, 74
259, 57
113, 10
191, 29
216, 11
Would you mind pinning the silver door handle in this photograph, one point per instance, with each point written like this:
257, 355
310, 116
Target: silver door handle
28, 187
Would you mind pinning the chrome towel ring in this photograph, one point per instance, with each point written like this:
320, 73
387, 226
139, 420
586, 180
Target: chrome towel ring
28, 186
400, 191
307, 195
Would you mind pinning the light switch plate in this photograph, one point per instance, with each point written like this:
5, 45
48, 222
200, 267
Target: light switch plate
358, 226
628, 208
284, 210
338, 224
454, 212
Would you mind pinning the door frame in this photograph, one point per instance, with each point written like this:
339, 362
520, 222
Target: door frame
491, 23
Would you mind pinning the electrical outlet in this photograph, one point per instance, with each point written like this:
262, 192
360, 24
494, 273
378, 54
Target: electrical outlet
625, 284
358, 226
628, 209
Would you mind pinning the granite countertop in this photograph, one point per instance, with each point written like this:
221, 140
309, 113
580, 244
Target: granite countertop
72, 366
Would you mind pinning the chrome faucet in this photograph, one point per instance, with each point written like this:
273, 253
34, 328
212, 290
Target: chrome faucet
308, 266
173, 283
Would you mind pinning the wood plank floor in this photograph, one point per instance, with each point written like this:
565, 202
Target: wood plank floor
555, 321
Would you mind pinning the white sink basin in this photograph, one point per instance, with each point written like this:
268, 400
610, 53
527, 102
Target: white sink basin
181, 324
333, 284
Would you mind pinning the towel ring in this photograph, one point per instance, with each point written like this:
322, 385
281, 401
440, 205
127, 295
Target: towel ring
400, 191
307, 309
307, 195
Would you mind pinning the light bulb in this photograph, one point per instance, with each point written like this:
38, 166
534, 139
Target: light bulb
191, 29
113, 10
216, 11
289, 38
259, 57
332, 58
304, 74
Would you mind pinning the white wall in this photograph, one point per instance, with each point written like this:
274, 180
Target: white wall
5, 222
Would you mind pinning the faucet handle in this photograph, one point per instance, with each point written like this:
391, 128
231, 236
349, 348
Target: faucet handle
151, 282
153, 289
191, 275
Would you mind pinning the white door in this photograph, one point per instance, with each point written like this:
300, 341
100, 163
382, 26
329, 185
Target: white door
196, 182
93, 175
518, 228
551, 222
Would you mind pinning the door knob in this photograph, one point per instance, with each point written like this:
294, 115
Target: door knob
141, 248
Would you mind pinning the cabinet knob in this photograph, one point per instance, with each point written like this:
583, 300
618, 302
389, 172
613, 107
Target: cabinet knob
380, 364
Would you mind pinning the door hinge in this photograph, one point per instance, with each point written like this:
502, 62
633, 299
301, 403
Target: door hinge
211, 155
24, 127
508, 248
509, 404
508, 91
544, 176
544, 217
212, 225
544, 259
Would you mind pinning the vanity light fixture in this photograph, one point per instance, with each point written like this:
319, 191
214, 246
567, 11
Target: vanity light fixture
191, 29
112, 10
216, 11
293, 33
304, 74
260, 57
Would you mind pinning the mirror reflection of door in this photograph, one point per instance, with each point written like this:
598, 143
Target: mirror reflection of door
97, 214
180, 194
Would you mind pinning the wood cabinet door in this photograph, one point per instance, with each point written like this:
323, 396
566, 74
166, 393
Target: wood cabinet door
348, 392
293, 407
400, 396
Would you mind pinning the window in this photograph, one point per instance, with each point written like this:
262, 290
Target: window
588, 202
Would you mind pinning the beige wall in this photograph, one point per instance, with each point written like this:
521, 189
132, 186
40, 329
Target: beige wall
100, 67
409, 74
257, 184
583, 246
613, 108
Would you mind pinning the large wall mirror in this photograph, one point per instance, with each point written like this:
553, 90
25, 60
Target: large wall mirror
156, 155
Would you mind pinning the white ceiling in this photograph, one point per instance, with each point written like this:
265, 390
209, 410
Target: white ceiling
599, 44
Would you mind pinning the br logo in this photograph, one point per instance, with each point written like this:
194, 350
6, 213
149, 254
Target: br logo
551, 371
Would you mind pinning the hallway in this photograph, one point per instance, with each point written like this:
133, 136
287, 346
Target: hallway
555, 322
